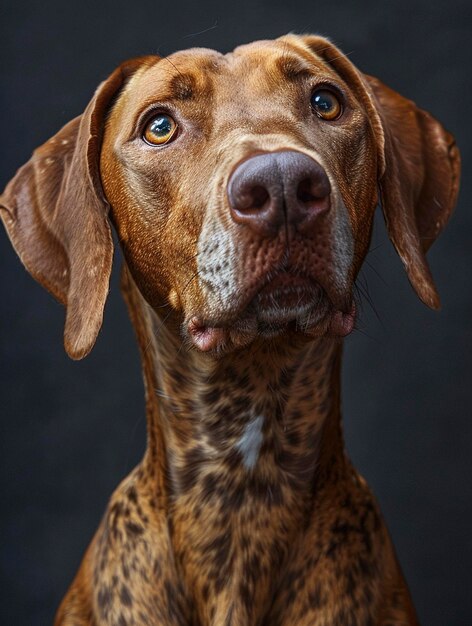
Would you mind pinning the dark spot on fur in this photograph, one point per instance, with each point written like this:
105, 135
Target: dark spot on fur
205, 592
125, 596
209, 485
246, 595
211, 395
104, 600
188, 474
293, 437
219, 548
134, 529
133, 495
316, 597
173, 597
182, 86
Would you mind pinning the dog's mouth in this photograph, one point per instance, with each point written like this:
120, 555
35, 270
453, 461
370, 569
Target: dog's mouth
286, 304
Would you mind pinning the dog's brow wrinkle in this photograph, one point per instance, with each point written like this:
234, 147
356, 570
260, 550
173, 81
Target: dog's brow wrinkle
293, 67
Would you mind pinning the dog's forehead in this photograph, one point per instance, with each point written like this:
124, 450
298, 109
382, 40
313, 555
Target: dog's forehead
195, 72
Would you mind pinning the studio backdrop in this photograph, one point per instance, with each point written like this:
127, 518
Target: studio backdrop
72, 430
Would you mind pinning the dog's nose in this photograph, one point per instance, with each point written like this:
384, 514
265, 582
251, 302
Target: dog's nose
268, 189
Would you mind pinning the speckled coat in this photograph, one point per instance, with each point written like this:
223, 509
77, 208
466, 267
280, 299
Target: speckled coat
245, 510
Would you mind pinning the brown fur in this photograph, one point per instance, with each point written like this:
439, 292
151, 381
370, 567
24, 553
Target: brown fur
222, 524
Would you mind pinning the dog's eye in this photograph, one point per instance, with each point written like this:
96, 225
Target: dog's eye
326, 104
159, 130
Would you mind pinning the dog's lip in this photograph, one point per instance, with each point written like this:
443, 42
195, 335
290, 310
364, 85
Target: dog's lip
342, 323
286, 291
278, 307
209, 338
204, 337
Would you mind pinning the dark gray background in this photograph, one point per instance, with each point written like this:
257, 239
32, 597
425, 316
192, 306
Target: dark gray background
71, 431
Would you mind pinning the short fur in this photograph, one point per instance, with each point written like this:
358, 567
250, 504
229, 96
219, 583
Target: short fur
245, 509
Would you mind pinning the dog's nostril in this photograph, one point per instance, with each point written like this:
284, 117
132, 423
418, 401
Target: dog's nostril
304, 191
311, 189
313, 194
249, 200
248, 197
260, 196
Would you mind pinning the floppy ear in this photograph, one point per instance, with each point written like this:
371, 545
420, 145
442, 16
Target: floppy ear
55, 214
418, 167
420, 184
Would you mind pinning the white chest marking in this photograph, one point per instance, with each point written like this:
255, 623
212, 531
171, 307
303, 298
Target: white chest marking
250, 441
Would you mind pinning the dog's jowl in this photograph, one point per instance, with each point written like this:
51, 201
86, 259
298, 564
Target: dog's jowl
242, 188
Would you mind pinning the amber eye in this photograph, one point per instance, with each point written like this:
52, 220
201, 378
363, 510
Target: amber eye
159, 130
326, 104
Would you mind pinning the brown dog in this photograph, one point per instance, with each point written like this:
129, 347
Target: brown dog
242, 188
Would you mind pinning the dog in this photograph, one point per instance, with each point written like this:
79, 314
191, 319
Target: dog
242, 188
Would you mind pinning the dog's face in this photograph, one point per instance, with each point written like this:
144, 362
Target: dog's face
242, 188
252, 208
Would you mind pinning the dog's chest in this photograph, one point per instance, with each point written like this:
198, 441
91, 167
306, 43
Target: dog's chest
244, 551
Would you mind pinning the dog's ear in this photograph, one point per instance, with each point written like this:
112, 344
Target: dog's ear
55, 213
419, 185
418, 167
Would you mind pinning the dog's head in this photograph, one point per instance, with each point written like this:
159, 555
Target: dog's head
242, 188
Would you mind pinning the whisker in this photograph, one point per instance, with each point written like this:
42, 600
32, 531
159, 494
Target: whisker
201, 32
362, 332
340, 56
377, 273
364, 293
166, 58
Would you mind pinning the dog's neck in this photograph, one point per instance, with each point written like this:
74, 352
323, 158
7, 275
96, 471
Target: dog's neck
236, 449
